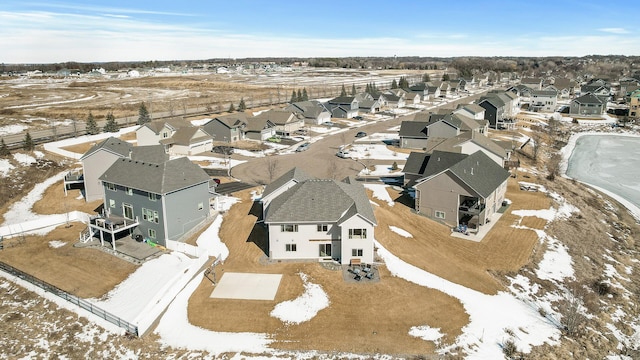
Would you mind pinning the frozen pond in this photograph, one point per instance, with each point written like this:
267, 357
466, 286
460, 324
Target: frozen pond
608, 162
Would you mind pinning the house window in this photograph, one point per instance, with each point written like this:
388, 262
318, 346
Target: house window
357, 233
128, 190
322, 227
153, 197
112, 187
112, 203
440, 214
324, 250
289, 228
127, 211
165, 135
290, 247
150, 215
200, 206
356, 252
152, 233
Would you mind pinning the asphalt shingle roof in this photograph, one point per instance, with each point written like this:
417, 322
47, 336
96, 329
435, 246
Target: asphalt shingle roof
415, 129
111, 144
161, 178
319, 200
295, 174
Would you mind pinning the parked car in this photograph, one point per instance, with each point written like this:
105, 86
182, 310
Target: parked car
303, 147
329, 123
343, 154
361, 134
301, 132
358, 117
216, 180
275, 139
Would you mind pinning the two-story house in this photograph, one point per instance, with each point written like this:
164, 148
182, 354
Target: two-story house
544, 100
227, 128
343, 107
159, 201
314, 112
318, 219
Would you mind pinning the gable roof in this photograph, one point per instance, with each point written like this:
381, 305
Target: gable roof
173, 124
161, 178
342, 100
454, 144
310, 109
154, 154
295, 174
186, 136
110, 144
472, 108
231, 121
416, 163
477, 170
416, 129
319, 200
257, 124
587, 98
279, 117
547, 93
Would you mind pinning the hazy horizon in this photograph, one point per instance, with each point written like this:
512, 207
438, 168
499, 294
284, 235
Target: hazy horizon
65, 31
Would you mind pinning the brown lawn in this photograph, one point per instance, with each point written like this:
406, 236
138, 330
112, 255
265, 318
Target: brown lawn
366, 317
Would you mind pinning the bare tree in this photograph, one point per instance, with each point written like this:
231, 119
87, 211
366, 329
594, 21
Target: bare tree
553, 165
272, 167
572, 310
536, 142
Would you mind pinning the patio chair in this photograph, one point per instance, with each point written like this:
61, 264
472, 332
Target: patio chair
369, 275
357, 278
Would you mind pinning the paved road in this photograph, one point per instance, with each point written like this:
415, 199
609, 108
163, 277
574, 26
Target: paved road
320, 160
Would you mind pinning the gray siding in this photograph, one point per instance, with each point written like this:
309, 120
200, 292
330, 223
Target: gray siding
93, 167
413, 143
182, 212
138, 200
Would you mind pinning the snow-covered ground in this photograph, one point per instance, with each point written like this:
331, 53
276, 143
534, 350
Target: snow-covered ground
375, 151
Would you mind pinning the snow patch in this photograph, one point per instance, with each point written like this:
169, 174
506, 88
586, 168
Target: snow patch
57, 244
304, 307
400, 232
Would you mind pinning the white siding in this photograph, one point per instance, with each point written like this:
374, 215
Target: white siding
357, 222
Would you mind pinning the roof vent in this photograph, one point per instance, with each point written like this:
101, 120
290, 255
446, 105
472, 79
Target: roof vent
471, 171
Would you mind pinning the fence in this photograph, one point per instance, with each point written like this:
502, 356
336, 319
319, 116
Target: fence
84, 304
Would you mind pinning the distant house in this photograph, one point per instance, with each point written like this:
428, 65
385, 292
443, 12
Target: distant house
601, 91
500, 108
367, 104
566, 88
587, 104
227, 128
457, 188
314, 112
421, 89
533, 83
286, 122
103, 154
317, 219
344, 107
153, 132
469, 142
393, 100
475, 112
544, 100
160, 202
413, 134
259, 128
188, 141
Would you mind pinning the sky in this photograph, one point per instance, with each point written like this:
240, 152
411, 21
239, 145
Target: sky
100, 31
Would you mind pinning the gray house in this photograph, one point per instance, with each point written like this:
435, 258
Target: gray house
413, 134
587, 104
159, 202
318, 219
259, 128
457, 188
103, 154
343, 107
286, 122
227, 128
313, 111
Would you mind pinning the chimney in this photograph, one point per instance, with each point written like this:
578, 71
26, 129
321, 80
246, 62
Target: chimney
130, 153
471, 171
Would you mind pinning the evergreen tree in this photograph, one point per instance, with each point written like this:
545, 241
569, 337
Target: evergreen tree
143, 115
294, 97
425, 77
242, 106
299, 96
404, 83
394, 84
367, 89
343, 92
27, 143
373, 87
4, 150
111, 125
305, 96
92, 126
353, 89
445, 77
231, 108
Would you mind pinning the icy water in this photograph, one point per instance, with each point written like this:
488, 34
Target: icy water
609, 162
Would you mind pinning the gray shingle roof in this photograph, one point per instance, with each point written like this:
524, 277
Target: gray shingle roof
279, 117
186, 136
319, 200
151, 153
234, 120
174, 124
588, 99
310, 109
416, 163
454, 144
161, 178
342, 100
295, 174
111, 144
415, 129
477, 170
